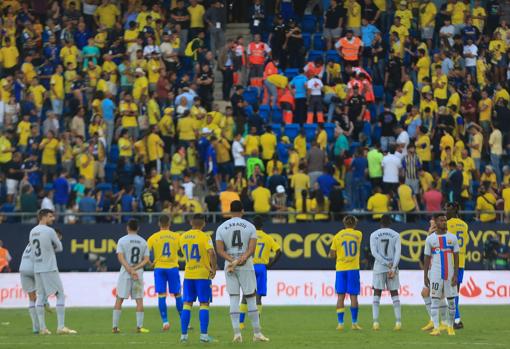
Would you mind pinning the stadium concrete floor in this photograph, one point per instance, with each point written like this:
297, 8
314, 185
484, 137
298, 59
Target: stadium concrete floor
287, 327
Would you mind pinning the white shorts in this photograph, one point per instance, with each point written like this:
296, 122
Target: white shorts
28, 282
442, 288
244, 280
48, 284
12, 186
127, 287
381, 281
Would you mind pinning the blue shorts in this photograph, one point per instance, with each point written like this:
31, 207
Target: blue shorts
261, 275
164, 276
197, 288
347, 281
460, 277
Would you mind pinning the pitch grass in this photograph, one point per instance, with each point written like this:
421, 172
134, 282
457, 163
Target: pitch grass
287, 327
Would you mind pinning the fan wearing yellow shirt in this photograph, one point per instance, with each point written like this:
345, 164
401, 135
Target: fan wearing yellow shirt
428, 11
262, 261
457, 10
405, 14
128, 112
57, 91
164, 248
268, 144
155, 148
379, 203
459, 228
423, 67
353, 16
426, 180
178, 164
401, 30
187, 128
485, 108
322, 137
69, 55
23, 131
479, 15
141, 85
125, 145
28, 69
38, 92
200, 259
300, 144
345, 249
49, 146
154, 67
486, 205
440, 84
407, 200
505, 194
106, 14
423, 150
261, 199
196, 15
10, 55
252, 141
407, 90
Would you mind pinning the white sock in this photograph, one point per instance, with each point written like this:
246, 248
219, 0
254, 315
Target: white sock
451, 311
253, 313
235, 313
139, 319
443, 310
39, 308
33, 316
427, 302
396, 308
61, 310
434, 312
116, 317
375, 308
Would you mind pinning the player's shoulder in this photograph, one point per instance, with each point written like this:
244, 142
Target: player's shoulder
431, 237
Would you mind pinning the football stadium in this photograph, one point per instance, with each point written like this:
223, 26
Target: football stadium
248, 173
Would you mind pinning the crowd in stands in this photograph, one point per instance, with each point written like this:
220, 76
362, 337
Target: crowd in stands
327, 106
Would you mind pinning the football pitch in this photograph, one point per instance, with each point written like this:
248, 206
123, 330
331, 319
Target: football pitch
287, 327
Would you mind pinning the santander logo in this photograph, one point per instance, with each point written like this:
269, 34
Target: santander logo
471, 289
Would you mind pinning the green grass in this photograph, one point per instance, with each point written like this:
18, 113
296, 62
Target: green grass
287, 327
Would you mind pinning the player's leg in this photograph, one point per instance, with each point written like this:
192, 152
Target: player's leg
340, 289
174, 287
243, 310
32, 296
123, 289
393, 284
458, 323
140, 315
436, 293
425, 293
39, 303
261, 277
117, 310
160, 282
234, 291
375, 309
353, 289
248, 282
189, 296
204, 294
443, 314
56, 285
450, 292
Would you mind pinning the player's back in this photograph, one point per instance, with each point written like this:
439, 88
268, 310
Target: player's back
45, 243
134, 248
347, 244
236, 234
384, 242
459, 228
194, 246
27, 265
165, 247
265, 244
441, 248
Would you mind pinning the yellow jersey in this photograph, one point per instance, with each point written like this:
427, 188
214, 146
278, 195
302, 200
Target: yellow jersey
459, 228
164, 247
347, 244
195, 246
265, 246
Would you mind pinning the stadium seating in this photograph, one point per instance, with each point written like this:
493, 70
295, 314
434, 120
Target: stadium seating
307, 41
329, 127
250, 95
378, 92
265, 112
276, 115
309, 24
104, 187
109, 170
318, 42
314, 54
291, 131
310, 131
277, 129
114, 153
290, 73
332, 55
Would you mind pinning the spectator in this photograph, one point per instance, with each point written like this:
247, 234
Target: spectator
62, 191
374, 160
407, 201
226, 198
47, 201
316, 159
359, 168
88, 204
433, 199
279, 204
486, 204
378, 203
5, 259
261, 199
391, 165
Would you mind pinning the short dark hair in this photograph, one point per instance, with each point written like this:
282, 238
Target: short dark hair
386, 220
43, 212
164, 220
197, 219
133, 224
236, 206
350, 221
258, 222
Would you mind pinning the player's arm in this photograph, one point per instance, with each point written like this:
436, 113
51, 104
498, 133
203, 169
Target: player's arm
214, 262
124, 263
332, 251
278, 254
220, 250
250, 251
426, 267
396, 257
455, 268
55, 241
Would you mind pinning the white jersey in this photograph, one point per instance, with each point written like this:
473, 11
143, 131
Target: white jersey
45, 243
441, 249
385, 247
134, 248
27, 264
236, 234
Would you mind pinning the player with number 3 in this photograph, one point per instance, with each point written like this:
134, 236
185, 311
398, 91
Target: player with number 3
345, 249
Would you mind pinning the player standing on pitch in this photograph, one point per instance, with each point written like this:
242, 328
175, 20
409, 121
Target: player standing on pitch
385, 247
198, 251
133, 255
345, 249
44, 243
164, 248
459, 228
261, 263
236, 241
442, 257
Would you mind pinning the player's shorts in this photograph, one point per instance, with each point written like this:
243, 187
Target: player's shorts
164, 276
347, 281
28, 282
48, 283
261, 277
381, 281
460, 277
440, 288
244, 280
127, 287
197, 288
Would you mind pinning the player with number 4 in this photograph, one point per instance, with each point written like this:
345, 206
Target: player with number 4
133, 255
345, 249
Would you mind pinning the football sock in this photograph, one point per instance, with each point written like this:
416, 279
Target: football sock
162, 308
244, 309
427, 302
203, 315
340, 315
253, 313
259, 308
434, 311
116, 317
443, 310
375, 308
61, 310
354, 314
33, 315
139, 319
235, 313
396, 308
178, 304
451, 311
457, 312
39, 308
185, 318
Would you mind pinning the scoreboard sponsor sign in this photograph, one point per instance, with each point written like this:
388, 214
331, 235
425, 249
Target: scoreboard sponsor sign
284, 288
